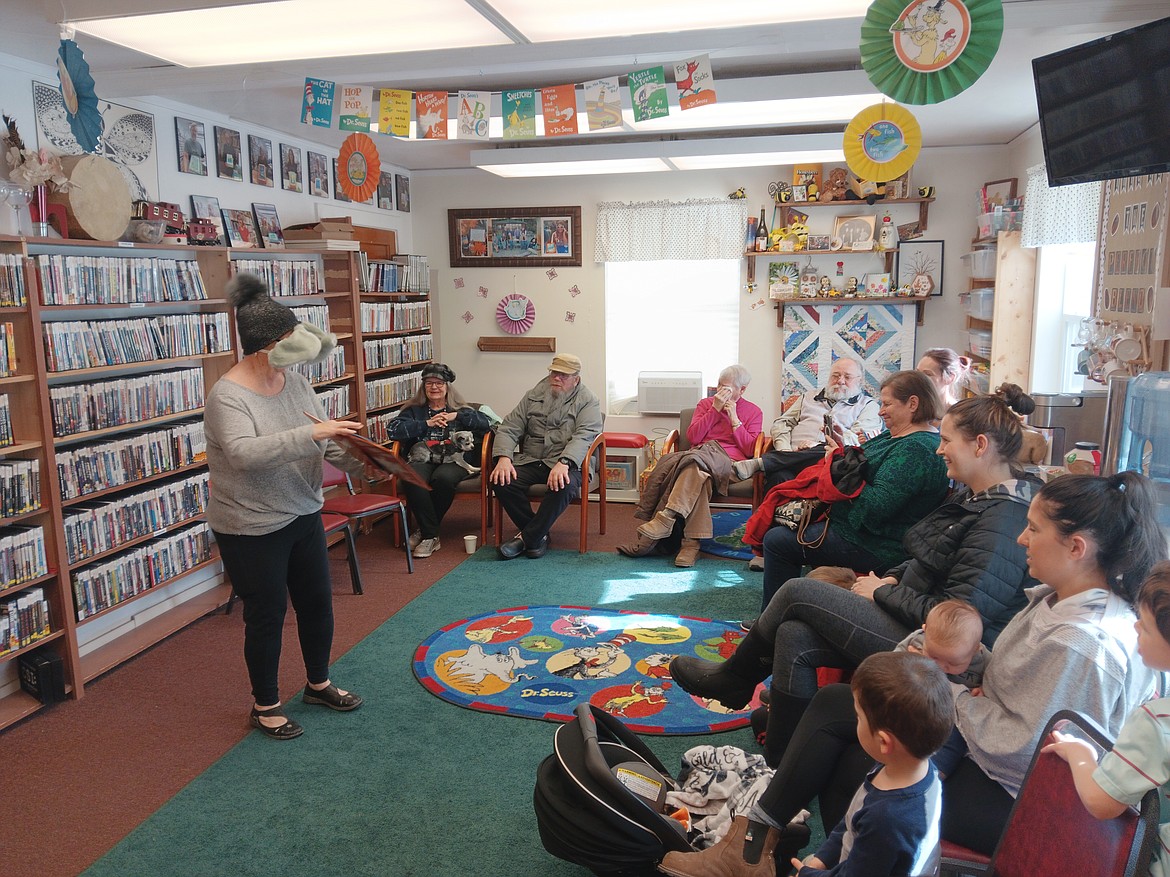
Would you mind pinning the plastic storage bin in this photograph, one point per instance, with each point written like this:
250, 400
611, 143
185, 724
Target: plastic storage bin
981, 262
979, 340
990, 224
979, 303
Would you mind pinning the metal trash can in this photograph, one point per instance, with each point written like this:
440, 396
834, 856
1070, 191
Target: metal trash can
1068, 418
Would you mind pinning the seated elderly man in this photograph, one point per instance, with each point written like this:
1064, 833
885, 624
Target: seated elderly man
798, 435
545, 439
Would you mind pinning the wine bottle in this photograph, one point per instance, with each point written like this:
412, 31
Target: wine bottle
761, 234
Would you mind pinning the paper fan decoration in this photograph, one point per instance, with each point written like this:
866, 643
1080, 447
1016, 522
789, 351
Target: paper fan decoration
882, 142
358, 167
515, 314
78, 96
927, 51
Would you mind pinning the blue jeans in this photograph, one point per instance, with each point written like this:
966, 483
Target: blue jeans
784, 556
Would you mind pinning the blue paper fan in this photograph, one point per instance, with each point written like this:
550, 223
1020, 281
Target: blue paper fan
79, 97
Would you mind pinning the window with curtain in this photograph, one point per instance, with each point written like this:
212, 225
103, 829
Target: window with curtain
668, 316
1059, 214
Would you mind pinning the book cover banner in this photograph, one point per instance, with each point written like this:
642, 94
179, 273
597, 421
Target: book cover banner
519, 111
430, 110
648, 94
474, 112
354, 111
393, 112
558, 103
603, 103
317, 106
694, 82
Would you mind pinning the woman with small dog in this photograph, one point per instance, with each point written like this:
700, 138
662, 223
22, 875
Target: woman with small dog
431, 416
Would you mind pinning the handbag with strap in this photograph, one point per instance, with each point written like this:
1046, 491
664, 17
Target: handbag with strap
843, 478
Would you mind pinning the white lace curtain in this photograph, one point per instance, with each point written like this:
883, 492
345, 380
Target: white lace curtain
650, 231
1060, 214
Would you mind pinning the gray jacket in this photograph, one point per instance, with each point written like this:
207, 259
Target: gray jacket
542, 428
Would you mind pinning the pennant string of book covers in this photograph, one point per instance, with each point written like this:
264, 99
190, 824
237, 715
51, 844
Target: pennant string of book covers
358, 105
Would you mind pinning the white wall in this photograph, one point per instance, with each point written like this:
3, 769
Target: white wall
500, 378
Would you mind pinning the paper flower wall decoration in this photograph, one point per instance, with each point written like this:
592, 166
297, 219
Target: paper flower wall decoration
79, 97
882, 142
515, 314
927, 51
358, 167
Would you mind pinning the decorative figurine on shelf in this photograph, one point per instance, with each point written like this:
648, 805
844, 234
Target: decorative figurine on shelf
868, 191
781, 191
836, 185
809, 279
826, 286
851, 287
888, 234
738, 195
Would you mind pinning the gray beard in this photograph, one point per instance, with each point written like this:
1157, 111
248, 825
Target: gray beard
837, 395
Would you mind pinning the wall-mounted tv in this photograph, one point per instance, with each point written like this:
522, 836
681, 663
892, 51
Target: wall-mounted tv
1105, 106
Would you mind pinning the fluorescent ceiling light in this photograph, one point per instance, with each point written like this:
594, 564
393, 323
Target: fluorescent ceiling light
758, 114
543, 22
756, 159
578, 168
294, 29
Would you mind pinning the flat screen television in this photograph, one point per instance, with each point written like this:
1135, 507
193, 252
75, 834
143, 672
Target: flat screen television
1105, 106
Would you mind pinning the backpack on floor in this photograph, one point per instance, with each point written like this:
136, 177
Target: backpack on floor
599, 799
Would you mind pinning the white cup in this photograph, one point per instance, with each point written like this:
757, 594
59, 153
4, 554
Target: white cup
469, 544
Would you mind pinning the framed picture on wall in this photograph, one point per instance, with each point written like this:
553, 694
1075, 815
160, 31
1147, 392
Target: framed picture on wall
240, 229
337, 193
191, 140
514, 237
206, 207
228, 155
919, 266
855, 232
268, 226
318, 175
260, 160
402, 189
386, 191
292, 173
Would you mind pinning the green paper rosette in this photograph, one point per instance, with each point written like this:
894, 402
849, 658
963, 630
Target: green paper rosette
928, 51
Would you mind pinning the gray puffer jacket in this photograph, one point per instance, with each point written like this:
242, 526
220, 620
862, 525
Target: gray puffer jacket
966, 550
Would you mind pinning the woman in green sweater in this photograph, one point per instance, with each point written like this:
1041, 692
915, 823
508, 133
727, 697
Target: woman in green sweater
905, 481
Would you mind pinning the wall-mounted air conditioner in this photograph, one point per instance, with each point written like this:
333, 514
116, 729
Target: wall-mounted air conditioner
668, 392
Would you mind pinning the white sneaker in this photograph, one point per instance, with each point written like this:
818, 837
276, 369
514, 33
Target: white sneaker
745, 469
426, 547
415, 538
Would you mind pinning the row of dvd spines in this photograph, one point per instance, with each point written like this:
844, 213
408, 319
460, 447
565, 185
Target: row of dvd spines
99, 280
22, 555
123, 401
395, 316
6, 436
101, 525
20, 487
7, 350
90, 467
294, 277
386, 352
391, 391
24, 620
377, 426
335, 401
12, 289
78, 344
112, 581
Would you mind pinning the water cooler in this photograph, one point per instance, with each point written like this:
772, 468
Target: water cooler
1137, 432
1067, 418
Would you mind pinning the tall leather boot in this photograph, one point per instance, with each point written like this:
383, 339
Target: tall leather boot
784, 712
732, 682
728, 858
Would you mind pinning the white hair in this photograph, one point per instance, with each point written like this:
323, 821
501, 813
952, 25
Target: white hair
737, 374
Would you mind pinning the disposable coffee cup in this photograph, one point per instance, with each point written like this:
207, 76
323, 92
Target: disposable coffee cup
469, 543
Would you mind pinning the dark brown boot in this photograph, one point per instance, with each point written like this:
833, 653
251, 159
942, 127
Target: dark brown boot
726, 858
732, 682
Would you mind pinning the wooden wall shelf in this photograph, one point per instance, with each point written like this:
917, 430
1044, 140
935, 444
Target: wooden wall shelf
917, 301
525, 344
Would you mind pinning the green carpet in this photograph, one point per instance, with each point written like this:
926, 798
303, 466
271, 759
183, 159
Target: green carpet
410, 785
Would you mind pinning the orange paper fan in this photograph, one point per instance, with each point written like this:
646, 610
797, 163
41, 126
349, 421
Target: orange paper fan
358, 167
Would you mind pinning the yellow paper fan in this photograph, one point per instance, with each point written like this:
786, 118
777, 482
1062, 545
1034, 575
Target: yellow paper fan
882, 142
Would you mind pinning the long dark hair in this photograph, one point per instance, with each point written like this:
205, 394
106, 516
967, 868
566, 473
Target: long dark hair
902, 385
997, 417
1120, 513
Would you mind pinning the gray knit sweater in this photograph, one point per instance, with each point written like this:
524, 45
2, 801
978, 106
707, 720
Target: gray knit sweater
1079, 653
265, 467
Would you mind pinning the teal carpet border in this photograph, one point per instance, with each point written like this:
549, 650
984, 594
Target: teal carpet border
410, 785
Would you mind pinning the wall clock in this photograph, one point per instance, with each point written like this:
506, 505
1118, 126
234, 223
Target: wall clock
515, 314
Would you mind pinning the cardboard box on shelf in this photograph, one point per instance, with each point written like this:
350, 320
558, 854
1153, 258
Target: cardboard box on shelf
336, 229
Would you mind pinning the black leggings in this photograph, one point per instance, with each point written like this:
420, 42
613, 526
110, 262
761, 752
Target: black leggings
266, 572
825, 760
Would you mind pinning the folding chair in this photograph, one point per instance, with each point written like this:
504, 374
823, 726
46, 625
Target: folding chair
1050, 833
356, 506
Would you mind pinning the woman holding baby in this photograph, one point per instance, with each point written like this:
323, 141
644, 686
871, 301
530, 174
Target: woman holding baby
434, 412
966, 549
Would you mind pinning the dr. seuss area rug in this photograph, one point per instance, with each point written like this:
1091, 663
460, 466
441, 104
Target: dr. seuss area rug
540, 662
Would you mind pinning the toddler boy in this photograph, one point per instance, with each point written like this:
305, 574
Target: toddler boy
904, 713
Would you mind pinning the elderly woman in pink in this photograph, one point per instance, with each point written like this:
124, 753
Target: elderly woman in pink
723, 430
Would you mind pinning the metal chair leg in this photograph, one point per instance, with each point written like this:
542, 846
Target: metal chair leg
406, 538
355, 572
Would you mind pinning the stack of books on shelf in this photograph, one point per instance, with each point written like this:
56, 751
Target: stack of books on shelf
395, 316
24, 620
22, 555
102, 525
81, 344
335, 401
7, 350
389, 352
84, 407
6, 437
316, 315
96, 466
20, 487
413, 274
377, 426
91, 280
12, 292
391, 391
109, 582
284, 278
329, 369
